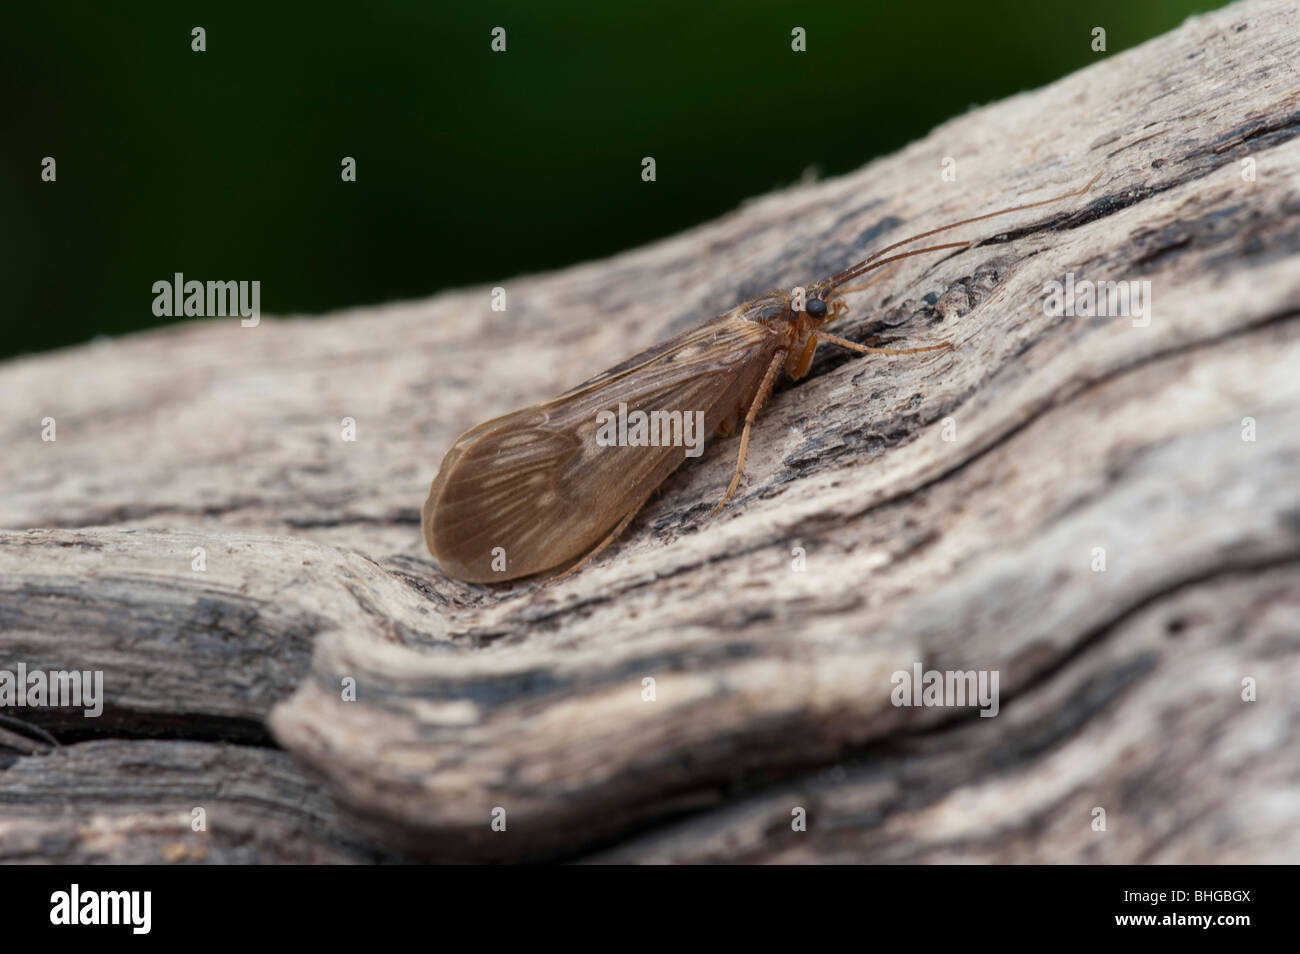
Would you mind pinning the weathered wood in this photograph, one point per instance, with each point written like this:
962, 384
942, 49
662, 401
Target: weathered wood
1144, 723
1120, 689
135, 802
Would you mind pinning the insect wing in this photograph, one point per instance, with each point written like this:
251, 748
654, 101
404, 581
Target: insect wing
534, 490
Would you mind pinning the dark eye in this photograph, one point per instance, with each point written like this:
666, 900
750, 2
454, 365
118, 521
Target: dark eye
816, 308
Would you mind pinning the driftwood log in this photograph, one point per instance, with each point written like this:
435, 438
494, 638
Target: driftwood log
948, 509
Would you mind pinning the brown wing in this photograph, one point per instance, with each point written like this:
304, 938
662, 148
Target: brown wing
536, 484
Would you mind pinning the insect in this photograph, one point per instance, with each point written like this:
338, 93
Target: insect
539, 491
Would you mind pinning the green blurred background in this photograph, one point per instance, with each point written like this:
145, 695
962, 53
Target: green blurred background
472, 166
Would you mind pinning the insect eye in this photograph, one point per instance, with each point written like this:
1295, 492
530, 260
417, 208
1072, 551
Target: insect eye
816, 308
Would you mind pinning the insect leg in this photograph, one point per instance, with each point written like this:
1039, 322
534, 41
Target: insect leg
614, 534
764, 389
854, 346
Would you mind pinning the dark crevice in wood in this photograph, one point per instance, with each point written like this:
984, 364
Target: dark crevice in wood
70, 727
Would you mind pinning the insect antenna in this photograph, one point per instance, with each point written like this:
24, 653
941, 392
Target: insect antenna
867, 263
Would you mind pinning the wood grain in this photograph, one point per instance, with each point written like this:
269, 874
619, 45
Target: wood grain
1120, 690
